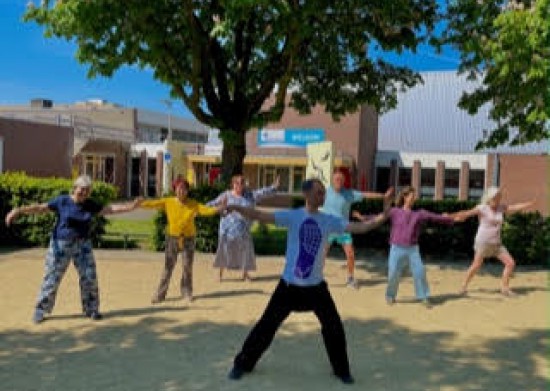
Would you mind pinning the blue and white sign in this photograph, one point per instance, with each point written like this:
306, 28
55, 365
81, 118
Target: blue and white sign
167, 157
289, 138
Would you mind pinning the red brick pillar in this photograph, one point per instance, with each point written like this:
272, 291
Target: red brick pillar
393, 172
464, 181
439, 180
160, 171
415, 176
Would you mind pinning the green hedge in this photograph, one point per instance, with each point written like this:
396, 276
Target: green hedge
435, 239
207, 227
269, 240
525, 235
17, 189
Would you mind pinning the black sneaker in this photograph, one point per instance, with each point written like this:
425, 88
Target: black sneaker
94, 315
347, 379
235, 373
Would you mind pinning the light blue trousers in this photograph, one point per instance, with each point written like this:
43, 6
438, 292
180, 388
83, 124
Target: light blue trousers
396, 263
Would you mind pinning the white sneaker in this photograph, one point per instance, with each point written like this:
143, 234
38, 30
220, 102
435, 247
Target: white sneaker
352, 283
38, 316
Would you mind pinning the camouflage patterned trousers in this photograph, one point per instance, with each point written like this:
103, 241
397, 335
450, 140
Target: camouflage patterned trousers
173, 246
60, 253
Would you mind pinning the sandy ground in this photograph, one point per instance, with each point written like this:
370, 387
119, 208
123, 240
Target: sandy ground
483, 342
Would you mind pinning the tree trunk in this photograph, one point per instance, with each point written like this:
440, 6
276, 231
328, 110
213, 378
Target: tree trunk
233, 153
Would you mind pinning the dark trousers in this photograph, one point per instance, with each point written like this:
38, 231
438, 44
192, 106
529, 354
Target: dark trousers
288, 298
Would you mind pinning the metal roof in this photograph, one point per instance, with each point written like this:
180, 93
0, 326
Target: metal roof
427, 119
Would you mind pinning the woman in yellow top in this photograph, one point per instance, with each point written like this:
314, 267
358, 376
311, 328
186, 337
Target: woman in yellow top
180, 236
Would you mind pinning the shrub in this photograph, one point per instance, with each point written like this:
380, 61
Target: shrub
435, 239
269, 240
526, 235
527, 238
17, 189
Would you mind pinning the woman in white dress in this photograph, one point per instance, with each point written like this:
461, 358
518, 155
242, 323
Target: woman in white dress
235, 247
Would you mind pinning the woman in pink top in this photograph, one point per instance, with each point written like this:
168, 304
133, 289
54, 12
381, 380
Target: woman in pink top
405, 230
488, 240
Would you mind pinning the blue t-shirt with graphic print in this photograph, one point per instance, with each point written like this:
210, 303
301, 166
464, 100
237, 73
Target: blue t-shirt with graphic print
338, 203
73, 219
306, 240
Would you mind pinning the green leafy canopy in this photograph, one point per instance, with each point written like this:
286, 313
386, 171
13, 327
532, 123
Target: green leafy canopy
507, 45
236, 64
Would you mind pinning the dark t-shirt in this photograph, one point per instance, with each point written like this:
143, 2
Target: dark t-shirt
73, 219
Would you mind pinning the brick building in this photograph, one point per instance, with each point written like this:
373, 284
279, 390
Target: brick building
23, 145
426, 141
114, 144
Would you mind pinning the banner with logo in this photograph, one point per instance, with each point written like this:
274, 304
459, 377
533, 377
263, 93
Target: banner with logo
289, 138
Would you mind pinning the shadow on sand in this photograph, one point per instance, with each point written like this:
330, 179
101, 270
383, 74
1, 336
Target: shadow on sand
158, 353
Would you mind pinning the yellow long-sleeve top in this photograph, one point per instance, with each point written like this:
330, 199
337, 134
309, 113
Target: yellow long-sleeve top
181, 216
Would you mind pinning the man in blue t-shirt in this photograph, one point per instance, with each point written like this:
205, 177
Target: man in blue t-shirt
302, 286
338, 203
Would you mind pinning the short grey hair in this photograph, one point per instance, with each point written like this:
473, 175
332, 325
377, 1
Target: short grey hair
83, 181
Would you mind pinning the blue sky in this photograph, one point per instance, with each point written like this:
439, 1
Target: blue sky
32, 66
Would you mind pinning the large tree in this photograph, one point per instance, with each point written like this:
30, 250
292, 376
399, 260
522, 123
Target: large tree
506, 45
236, 64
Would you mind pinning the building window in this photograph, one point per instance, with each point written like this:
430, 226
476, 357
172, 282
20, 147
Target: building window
476, 184
427, 183
382, 179
298, 176
158, 135
150, 135
100, 168
135, 176
267, 175
151, 177
452, 181
405, 177
191, 137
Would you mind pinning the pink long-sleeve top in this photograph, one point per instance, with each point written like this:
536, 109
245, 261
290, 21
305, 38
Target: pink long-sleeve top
406, 224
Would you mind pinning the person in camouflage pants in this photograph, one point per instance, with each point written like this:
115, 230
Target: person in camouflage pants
70, 240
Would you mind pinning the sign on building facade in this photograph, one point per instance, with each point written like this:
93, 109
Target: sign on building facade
289, 138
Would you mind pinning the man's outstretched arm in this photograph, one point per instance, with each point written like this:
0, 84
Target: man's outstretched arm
252, 213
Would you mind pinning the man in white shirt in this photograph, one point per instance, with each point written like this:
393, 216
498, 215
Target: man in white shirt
302, 286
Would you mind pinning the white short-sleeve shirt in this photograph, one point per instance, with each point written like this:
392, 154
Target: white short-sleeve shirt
306, 240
